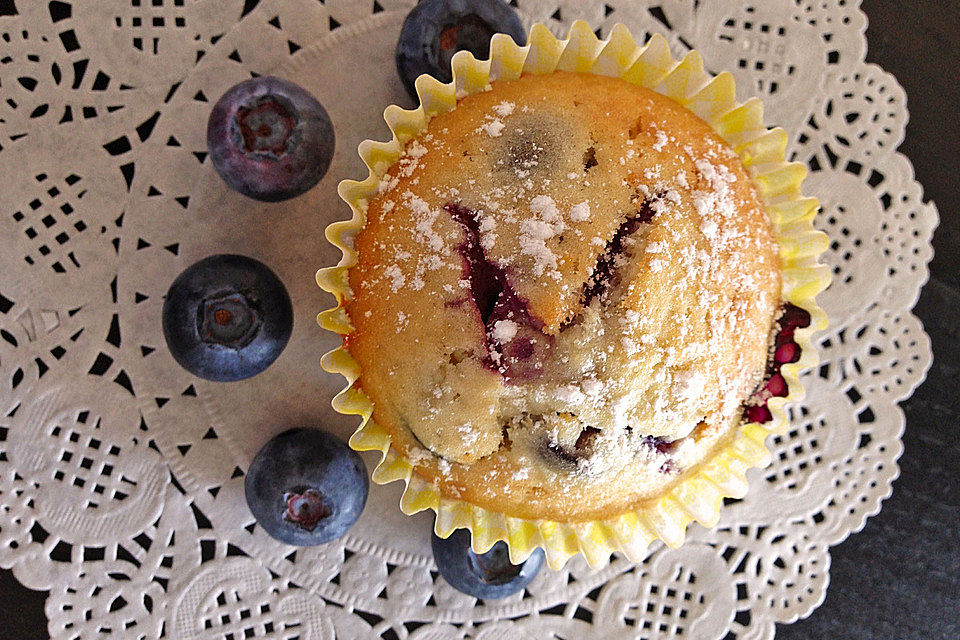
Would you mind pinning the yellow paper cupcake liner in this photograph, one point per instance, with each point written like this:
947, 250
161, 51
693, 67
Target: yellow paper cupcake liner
697, 496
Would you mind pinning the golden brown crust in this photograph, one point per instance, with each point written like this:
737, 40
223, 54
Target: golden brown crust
627, 279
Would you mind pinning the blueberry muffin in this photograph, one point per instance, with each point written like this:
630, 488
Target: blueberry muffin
567, 296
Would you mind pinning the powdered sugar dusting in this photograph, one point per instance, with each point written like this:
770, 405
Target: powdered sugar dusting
504, 109
493, 128
537, 230
504, 331
662, 140
630, 373
425, 217
397, 279
546, 208
580, 212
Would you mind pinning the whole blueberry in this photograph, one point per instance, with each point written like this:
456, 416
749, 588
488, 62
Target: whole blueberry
436, 29
487, 575
306, 487
270, 139
226, 318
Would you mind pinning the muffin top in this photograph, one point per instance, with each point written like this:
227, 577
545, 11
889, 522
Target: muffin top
565, 291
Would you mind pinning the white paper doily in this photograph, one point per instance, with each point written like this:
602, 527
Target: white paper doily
121, 476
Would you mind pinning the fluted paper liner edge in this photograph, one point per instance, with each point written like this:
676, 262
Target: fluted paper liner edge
699, 495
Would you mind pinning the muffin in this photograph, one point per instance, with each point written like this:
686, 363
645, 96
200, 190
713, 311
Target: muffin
563, 298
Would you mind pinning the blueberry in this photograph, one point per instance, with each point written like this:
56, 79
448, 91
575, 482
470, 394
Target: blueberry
306, 487
436, 29
487, 575
227, 318
270, 139
521, 357
605, 275
566, 458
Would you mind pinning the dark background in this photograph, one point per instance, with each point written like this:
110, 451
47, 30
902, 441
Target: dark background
899, 578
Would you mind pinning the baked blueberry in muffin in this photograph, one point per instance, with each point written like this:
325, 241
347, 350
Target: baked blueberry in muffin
567, 295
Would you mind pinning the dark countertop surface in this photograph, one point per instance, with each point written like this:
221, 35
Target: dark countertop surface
899, 578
